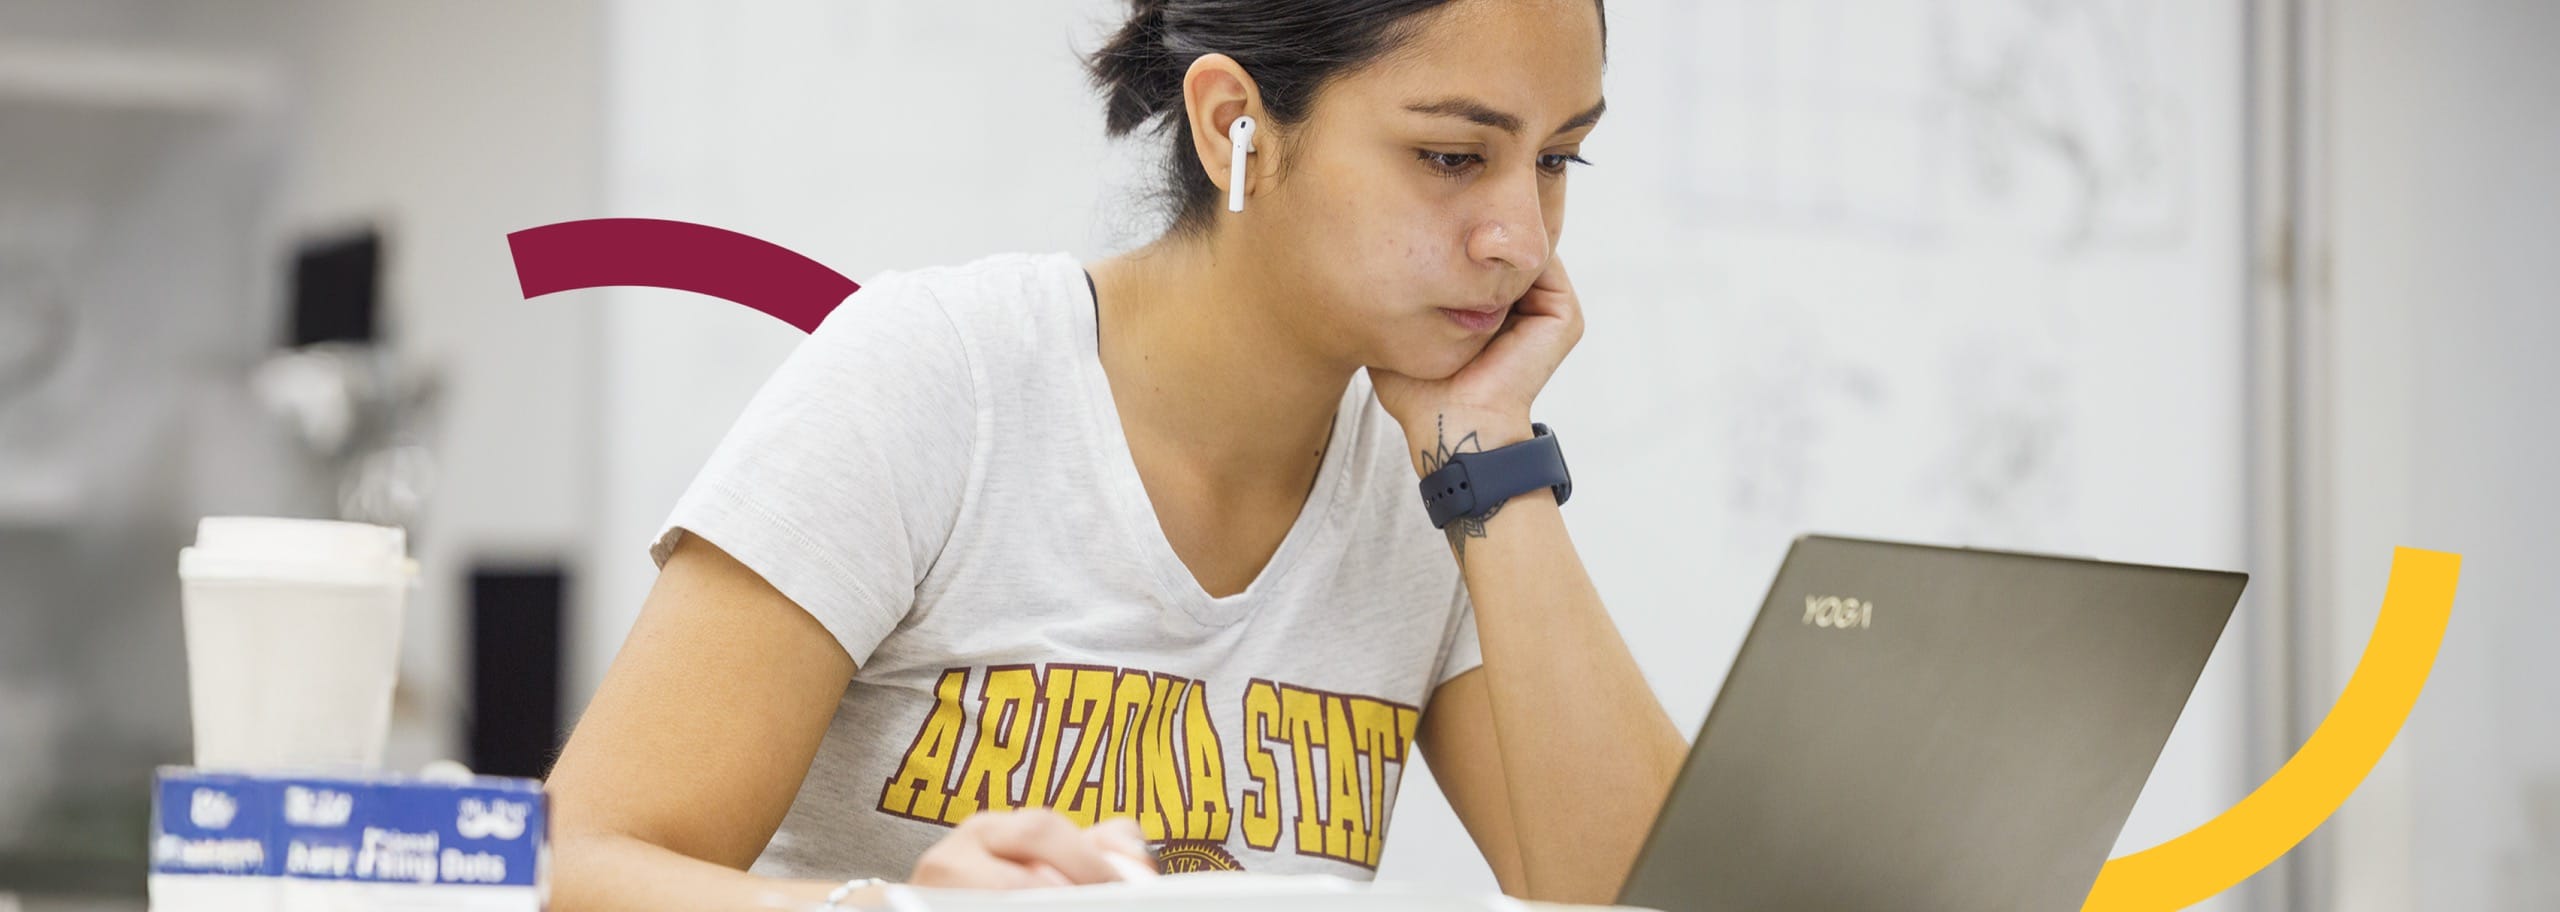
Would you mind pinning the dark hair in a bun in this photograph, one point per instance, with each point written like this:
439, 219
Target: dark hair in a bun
1291, 47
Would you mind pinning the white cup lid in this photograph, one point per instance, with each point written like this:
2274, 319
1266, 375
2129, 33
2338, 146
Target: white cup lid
297, 550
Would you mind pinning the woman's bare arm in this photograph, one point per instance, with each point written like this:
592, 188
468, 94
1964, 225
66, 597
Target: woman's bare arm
695, 744
1466, 760
1584, 751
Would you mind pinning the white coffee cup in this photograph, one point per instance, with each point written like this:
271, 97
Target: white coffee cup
293, 640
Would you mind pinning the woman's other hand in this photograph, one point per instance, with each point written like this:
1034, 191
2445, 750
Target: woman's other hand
1011, 850
1491, 395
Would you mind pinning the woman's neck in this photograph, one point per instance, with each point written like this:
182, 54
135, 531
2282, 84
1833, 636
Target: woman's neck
1199, 350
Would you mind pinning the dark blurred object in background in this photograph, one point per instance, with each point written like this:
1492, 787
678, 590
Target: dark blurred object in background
357, 407
517, 613
337, 290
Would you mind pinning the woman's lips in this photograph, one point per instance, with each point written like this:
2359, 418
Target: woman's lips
1475, 321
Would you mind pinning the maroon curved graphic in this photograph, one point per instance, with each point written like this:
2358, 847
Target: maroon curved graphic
662, 253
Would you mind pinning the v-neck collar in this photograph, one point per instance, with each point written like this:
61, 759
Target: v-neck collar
1128, 492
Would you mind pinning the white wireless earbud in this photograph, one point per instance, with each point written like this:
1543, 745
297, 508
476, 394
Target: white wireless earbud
1240, 136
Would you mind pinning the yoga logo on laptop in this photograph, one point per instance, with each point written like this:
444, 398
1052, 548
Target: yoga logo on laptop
1839, 613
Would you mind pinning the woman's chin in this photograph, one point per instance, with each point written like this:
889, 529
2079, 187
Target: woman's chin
1432, 365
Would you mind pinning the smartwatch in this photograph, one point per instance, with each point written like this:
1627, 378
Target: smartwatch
1471, 485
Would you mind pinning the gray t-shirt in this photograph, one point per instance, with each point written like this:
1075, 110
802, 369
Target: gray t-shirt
938, 475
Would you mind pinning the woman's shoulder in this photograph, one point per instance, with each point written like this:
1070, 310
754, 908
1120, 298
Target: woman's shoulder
999, 300
994, 280
940, 327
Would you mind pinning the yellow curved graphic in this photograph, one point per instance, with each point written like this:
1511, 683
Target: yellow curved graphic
2310, 787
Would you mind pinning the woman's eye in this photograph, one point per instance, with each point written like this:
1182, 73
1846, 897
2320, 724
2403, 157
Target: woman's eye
1556, 163
1450, 162
1458, 163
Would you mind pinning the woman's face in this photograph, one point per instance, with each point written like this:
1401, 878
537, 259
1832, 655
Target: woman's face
1424, 194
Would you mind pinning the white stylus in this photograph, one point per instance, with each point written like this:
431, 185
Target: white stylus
1129, 868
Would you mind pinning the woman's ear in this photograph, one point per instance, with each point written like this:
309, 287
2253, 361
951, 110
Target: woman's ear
1215, 92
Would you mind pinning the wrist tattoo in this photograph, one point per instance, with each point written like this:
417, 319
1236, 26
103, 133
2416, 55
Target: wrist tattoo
1464, 527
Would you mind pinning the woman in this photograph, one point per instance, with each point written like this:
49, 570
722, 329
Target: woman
1018, 567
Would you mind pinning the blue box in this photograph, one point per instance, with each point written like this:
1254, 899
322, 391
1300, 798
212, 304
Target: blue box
222, 839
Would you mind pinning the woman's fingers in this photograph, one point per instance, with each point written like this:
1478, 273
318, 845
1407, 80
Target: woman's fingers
1031, 838
1122, 833
1551, 288
1125, 847
960, 862
1012, 850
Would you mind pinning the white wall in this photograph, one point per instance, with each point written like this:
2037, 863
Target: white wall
2443, 143
1842, 272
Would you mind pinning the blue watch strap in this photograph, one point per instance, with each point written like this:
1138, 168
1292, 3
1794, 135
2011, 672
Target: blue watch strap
1473, 484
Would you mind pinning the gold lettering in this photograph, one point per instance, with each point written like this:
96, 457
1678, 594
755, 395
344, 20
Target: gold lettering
1207, 762
1261, 803
1164, 817
921, 785
1056, 686
1120, 785
1346, 833
1302, 723
1005, 704
1375, 722
1089, 767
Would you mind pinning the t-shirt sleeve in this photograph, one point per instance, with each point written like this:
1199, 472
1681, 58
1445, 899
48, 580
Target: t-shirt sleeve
1460, 653
844, 476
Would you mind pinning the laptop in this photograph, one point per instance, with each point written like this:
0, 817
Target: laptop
1911, 727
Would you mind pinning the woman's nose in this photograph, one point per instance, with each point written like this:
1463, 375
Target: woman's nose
1513, 231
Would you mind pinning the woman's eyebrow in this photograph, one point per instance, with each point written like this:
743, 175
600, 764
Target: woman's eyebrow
1480, 113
